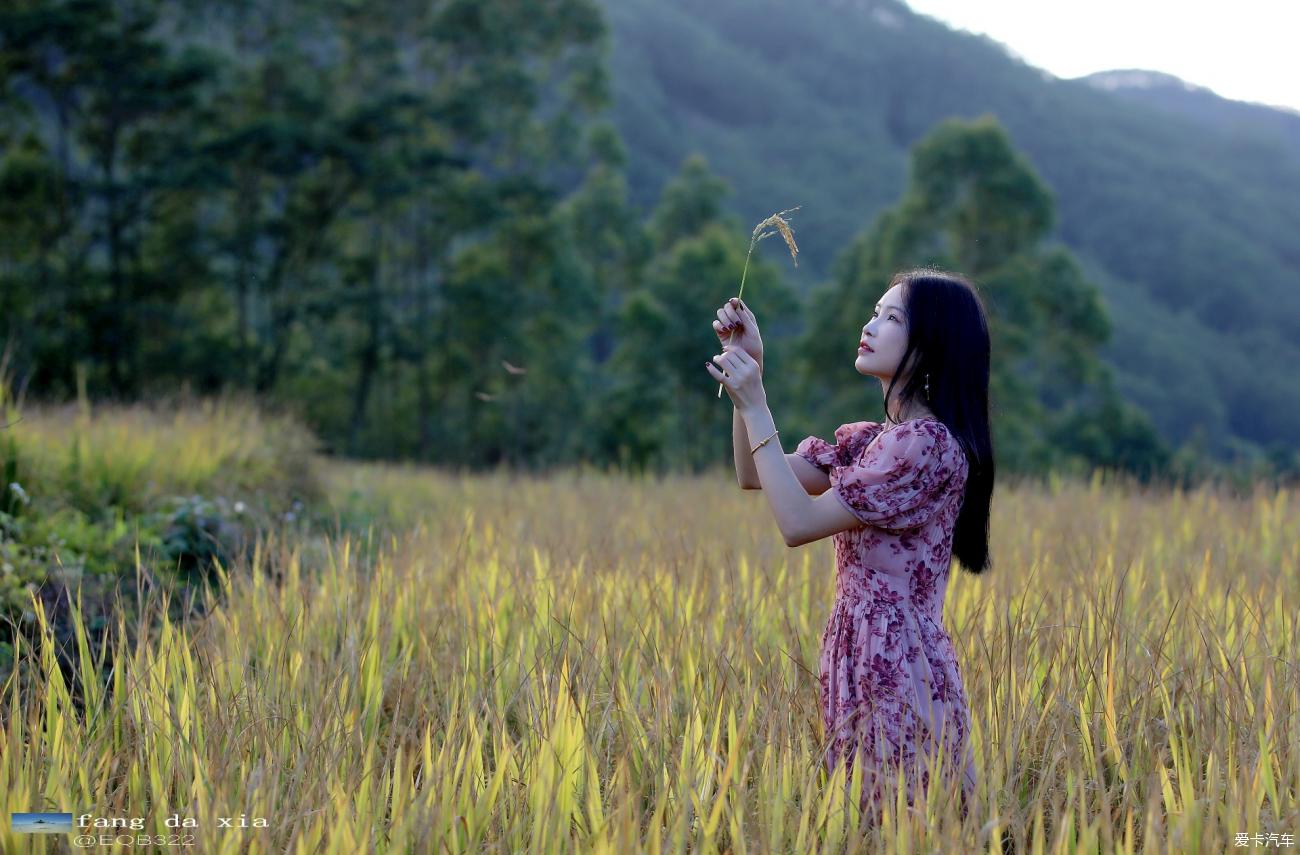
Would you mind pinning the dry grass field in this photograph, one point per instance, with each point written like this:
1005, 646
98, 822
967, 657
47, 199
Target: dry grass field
585, 662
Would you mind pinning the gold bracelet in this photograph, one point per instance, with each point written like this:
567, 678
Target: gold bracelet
763, 443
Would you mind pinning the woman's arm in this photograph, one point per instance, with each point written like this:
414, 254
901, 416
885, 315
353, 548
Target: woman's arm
814, 481
746, 473
800, 517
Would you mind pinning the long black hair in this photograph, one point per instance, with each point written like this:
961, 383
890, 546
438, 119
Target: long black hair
948, 339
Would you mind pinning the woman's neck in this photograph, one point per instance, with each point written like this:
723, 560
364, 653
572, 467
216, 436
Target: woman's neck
916, 413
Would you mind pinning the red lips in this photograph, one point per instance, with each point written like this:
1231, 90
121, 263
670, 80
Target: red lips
863, 345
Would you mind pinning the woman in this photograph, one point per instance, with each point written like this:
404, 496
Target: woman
905, 498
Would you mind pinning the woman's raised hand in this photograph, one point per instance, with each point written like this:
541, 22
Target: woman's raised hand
737, 325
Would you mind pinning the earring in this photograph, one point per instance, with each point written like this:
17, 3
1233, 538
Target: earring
927, 386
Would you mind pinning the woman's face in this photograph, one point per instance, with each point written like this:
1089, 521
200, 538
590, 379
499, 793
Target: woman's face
886, 333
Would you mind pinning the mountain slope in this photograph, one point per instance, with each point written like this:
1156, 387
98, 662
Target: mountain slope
1220, 115
1191, 231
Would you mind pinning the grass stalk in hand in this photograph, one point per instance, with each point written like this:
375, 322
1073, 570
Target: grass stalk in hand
779, 225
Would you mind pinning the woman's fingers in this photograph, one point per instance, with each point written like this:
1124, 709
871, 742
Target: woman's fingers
741, 355
719, 375
732, 357
733, 316
726, 361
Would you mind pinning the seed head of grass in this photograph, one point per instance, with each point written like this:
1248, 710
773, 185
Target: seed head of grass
782, 227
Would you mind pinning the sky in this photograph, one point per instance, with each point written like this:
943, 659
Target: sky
1246, 50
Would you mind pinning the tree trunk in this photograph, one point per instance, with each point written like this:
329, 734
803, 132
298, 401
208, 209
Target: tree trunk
423, 314
370, 353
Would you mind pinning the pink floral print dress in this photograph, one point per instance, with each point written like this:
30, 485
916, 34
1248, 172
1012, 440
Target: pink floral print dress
891, 691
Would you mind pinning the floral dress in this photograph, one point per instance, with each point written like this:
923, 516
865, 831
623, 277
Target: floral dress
891, 691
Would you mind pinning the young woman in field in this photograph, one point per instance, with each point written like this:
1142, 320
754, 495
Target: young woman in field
900, 500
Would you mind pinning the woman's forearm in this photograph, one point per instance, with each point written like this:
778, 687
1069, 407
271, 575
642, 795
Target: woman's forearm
746, 472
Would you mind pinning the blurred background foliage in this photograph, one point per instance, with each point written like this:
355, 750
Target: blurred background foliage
107, 503
477, 233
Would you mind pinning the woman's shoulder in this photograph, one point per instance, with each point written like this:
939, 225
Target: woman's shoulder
925, 439
855, 436
920, 440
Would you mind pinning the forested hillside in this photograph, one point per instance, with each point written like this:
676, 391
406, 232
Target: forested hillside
491, 231
1192, 230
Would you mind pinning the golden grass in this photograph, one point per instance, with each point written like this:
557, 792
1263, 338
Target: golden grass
133, 455
584, 663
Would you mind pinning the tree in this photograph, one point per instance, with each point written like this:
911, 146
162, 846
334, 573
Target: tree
665, 329
115, 98
975, 206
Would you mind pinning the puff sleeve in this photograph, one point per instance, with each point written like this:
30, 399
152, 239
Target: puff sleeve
901, 481
823, 455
